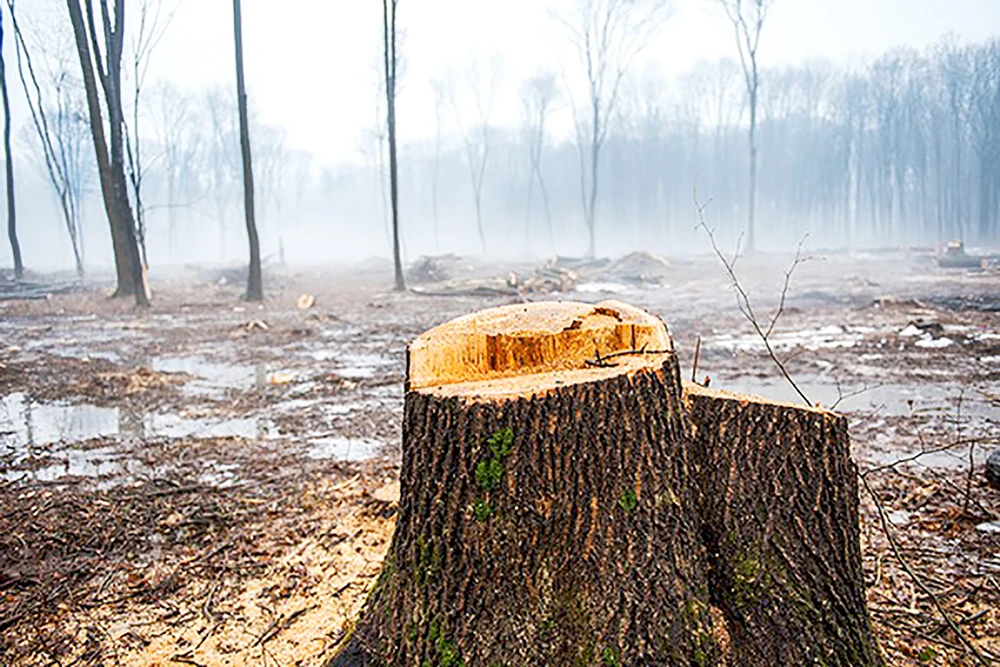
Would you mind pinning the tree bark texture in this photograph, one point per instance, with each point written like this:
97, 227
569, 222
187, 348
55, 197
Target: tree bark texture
778, 498
582, 554
587, 513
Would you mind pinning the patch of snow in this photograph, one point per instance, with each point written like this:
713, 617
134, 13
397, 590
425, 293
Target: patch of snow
602, 287
989, 527
934, 343
910, 332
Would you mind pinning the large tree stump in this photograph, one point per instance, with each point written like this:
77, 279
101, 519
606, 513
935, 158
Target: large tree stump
561, 505
546, 514
779, 509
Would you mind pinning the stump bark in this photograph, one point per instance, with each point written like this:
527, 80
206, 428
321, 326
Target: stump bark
560, 505
545, 513
779, 518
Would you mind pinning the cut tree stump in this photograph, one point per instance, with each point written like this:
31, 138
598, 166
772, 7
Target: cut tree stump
779, 512
545, 514
558, 507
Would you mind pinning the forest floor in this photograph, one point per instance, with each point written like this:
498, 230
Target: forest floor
213, 482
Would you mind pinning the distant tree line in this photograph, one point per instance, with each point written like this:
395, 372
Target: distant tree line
904, 149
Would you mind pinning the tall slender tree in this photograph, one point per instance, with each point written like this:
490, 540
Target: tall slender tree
114, 186
478, 139
59, 132
608, 35
747, 17
537, 96
15, 247
390, 61
255, 283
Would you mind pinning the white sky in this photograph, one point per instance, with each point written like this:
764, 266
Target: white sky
311, 64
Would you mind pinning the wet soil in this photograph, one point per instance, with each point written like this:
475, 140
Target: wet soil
214, 482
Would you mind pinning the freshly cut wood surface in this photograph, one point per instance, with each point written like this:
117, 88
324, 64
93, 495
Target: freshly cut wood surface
529, 339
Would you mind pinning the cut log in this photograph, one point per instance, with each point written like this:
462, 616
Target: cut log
546, 513
779, 510
564, 501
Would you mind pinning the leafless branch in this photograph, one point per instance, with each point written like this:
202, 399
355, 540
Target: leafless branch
743, 299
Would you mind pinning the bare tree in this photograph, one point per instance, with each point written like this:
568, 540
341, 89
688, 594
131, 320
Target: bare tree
153, 23
986, 134
270, 147
60, 140
224, 168
15, 247
131, 275
179, 138
440, 95
747, 17
255, 287
607, 36
477, 139
537, 95
390, 61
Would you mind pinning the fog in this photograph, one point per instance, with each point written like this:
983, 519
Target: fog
874, 127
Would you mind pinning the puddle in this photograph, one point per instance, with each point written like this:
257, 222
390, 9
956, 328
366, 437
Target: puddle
954, 459
212, 379
888, 399
357, 366
343, 449
100, 462
25, 423
173, 426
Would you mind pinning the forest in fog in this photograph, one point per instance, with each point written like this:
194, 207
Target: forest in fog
901, 149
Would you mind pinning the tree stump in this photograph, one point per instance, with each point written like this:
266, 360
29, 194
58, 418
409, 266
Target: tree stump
779, 511
546, 514
563, 501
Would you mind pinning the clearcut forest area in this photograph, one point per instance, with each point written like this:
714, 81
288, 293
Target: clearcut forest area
535, 333
216, 482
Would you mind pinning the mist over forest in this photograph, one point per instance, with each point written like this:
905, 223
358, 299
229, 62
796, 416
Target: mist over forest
902, 148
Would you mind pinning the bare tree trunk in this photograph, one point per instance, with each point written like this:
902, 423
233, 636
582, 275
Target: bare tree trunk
389, 26
751, 236
437, 170
595, 153
545, 205
131, 277
255, 287
15, 247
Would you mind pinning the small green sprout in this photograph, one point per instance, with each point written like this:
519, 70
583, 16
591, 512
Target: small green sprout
488, 474
628, 501
501, 443
482, 510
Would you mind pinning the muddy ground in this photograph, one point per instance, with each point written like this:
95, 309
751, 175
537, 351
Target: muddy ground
214, 482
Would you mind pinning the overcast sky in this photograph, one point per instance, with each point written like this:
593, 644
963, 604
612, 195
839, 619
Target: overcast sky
310, 65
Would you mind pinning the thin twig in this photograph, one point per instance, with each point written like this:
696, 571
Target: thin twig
601, 361
743, 299
697, 356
